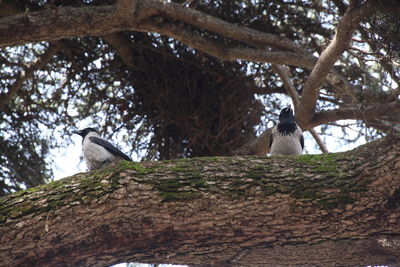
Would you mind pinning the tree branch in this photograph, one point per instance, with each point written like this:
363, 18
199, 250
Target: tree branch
327, 210
361, 112
165, 18
284, 74
222, 51
125, 8
228, 30
319, 141
348, 23
123, 47
39, 26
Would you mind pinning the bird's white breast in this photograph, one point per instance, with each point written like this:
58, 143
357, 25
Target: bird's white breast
95, 155
286, 144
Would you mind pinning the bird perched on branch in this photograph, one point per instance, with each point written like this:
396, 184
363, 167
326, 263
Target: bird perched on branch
286, 137
97, 151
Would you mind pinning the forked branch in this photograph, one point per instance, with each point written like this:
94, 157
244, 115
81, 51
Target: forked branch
341, 41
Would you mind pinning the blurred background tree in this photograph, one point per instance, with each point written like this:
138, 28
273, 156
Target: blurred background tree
173, 101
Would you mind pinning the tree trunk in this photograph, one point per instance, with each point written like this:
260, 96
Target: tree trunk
323, 210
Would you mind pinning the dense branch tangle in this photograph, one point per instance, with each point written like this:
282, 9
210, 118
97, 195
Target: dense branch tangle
177, 21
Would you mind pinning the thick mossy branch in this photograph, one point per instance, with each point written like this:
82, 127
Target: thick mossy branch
207, 210
307, 177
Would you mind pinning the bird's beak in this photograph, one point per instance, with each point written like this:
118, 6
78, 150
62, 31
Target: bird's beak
77, 132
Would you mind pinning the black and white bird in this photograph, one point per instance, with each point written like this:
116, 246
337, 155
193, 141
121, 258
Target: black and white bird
97, 151
286, 137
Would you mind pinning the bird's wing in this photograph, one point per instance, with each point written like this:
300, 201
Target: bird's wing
302, 141
110, 148
271, 134
270, 140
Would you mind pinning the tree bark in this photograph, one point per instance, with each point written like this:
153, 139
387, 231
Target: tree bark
322, 210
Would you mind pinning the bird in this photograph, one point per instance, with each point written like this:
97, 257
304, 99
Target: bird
286, 137
97, 151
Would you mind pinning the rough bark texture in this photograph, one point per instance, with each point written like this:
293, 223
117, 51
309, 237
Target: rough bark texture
322, 210
177, 21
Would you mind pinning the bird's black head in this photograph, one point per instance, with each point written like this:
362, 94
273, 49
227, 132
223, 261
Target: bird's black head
85, 131
286, 115
287, 123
